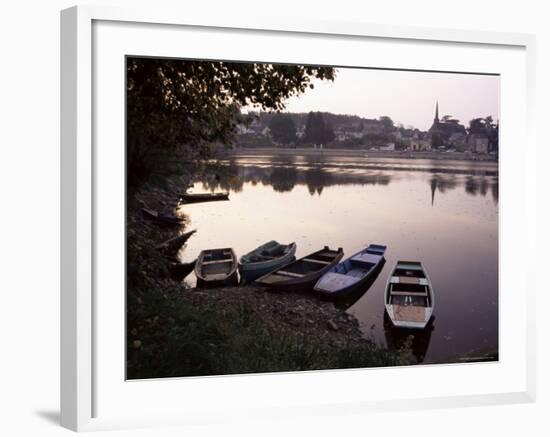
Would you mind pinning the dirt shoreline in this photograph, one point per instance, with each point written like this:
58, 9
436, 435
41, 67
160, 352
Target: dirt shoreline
285, 311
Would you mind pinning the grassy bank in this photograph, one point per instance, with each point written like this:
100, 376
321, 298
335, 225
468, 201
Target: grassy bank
183, 339
176, 331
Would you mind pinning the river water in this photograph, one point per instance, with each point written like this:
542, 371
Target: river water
443, 213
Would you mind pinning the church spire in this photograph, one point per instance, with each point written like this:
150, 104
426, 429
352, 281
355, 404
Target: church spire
436, 118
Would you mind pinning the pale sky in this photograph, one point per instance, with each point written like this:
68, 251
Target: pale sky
408, 97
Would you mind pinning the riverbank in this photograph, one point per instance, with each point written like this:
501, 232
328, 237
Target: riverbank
308, 151
174, 330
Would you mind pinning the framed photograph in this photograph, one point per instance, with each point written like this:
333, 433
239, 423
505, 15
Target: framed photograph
318, 217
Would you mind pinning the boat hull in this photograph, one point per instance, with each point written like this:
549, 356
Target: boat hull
160, 219
249, 271
353, 274
216, 267
302, 274
251, 274
203, 197
403, 314
232, 279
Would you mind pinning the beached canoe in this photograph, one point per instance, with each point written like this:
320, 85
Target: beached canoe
203, 197
303, 273
161, 219
351, 274
264, 259
409, 296
215, 267
179, 271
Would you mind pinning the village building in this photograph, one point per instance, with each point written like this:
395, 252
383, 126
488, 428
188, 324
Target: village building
478, 143
458, 140
420, 145
388, 146
441, 131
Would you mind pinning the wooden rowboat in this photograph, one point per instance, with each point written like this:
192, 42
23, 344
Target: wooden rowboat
203, 197
161, 219
303, 273
216, 267
409, 296
179, 271
351, 274
264, 259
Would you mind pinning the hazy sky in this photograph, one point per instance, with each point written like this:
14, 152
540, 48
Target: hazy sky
407, 97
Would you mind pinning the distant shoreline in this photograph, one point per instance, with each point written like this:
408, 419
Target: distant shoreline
460, 156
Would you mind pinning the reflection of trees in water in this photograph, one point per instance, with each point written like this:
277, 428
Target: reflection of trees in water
283, 177
441, 183
473, 185
494, 191
225, 177
285, 174
316, 179
481, 186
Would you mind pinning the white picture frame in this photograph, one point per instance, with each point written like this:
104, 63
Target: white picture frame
81, 372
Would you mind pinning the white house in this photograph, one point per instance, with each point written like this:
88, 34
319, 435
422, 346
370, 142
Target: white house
388, 146
420, 145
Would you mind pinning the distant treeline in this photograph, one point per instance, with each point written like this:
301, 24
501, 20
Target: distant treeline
325, 129
317, 128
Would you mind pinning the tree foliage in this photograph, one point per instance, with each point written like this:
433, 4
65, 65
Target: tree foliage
387, 122
448, 119
283, 129
186, 106
317, 131
486, 127
482, 126
477, 126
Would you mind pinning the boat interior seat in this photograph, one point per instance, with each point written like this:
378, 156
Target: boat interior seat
319, 261
217, 261
367, 258
272, 251
406, 280
291, 274
332, 281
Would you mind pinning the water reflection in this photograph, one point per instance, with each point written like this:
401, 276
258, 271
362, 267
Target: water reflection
418, 340
473, 185
317, 173
442, 183
285, 178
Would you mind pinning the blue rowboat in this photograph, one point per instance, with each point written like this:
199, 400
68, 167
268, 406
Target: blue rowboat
264, 259
351, 274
